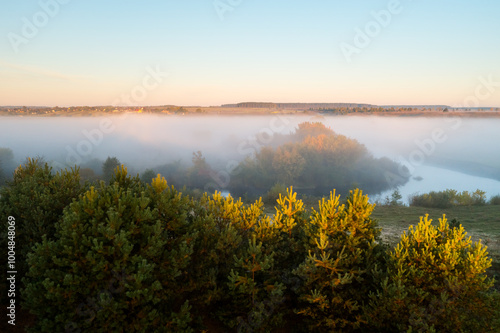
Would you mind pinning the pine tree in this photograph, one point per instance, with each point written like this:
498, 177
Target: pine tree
118, 262
108, 168
285, 240
148, 175
36, 198
436, 281
223, 227
338, 273
254, 293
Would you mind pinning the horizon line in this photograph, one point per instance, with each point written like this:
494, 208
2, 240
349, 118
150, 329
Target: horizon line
239, 103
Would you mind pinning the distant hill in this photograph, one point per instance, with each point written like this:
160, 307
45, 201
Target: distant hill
416, 106
317, 106
295, 106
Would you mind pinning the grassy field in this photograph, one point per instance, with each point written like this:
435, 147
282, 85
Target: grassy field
480, 222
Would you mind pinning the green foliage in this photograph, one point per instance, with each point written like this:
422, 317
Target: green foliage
124, 229
148, 175
449, 198
274, 193
433, 199
6, 164
495, 200
36, 198
455, 224
108, 168
131, 256
289, 162
338, 273
175, 173
315, 158
199, 174
244, 270
3, 178
289, 213
285, 238
254, 292
224, 228
88, 175
394, 199
435, 281
219, 223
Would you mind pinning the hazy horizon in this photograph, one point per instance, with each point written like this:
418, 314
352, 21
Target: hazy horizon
281, 102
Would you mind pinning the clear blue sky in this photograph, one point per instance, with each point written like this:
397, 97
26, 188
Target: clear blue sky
92, 52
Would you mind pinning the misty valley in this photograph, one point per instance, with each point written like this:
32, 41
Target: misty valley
249, 155
253, 223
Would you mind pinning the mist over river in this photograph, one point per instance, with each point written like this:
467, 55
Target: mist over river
440, 153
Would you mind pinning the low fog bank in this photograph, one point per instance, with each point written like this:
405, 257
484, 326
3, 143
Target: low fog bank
141, 141
466, 146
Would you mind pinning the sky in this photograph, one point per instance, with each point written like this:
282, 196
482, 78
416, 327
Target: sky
212, 52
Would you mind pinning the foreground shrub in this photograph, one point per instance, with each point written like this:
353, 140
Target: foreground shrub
255, 258
254, 292
133, 257
117, 263
221, 226
339, 271
435, 282
36, 198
